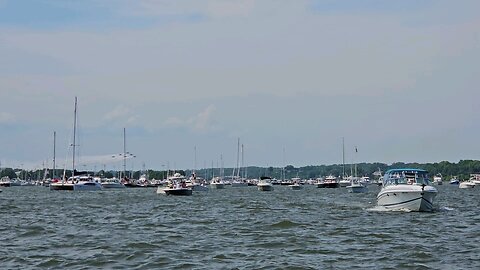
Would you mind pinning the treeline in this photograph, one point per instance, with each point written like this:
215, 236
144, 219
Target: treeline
462, 170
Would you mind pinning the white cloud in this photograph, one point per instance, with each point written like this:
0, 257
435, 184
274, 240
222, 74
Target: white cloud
121, 114
200, 123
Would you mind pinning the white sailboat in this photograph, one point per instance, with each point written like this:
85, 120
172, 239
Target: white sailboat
217, 181
79, 183
357, 186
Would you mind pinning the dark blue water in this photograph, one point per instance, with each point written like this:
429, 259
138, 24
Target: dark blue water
235, 228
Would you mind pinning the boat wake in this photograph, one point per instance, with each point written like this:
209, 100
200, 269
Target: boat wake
383, 209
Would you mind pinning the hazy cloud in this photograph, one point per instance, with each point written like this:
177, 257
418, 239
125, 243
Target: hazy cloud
6, 117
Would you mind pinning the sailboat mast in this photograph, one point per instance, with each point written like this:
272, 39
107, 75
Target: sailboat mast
124, 155
343, 156
243, 164
74, 134
195, 160
54, 144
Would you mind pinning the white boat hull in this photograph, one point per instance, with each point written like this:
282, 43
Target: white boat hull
466, 185
87, 186
113, 185
217, 185
407, 197
265, 187
295, 187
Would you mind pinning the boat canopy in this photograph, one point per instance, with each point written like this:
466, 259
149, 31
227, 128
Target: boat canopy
406, 177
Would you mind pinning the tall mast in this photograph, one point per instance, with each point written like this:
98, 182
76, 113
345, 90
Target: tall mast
343, 156
238, 157
124, 156
54, 139
74, 133
243, 163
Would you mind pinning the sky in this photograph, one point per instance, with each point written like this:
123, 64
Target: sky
396, 79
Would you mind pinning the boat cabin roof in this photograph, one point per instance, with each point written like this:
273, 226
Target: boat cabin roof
406, 170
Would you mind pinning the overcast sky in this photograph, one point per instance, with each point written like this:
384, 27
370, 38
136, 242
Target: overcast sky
398, 79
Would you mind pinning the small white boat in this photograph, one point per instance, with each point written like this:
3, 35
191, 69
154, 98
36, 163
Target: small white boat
475, 178
5, 182
217, 183
437, 179
179, 189
406, 189
357, 187
112, 183
295, 186
454, 181
264, 184
466, 184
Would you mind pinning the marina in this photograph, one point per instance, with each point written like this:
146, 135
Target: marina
310, 229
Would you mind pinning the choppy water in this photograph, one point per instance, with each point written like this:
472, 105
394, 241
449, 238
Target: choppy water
235, 228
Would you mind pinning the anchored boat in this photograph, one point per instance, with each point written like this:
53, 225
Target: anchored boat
408, 189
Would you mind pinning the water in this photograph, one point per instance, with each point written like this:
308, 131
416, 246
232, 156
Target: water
234, 228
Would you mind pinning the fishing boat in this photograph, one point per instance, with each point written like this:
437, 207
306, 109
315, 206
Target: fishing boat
330, 182
179, 189
176, 186
406, 189
264, 184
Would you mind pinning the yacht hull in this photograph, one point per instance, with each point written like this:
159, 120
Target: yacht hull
265, 187
178, 191
407, 197
217, 185
61, 186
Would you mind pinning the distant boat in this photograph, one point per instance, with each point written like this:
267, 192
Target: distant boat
112, 183
408, 189
466, 184
475, 178
437, 179
217, 183
79, 183
264, 184
176, 186
329, 182
454, 181
357, 185
5, 182
295, 186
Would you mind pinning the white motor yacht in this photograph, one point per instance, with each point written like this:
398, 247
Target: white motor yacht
264, 184
406, 189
